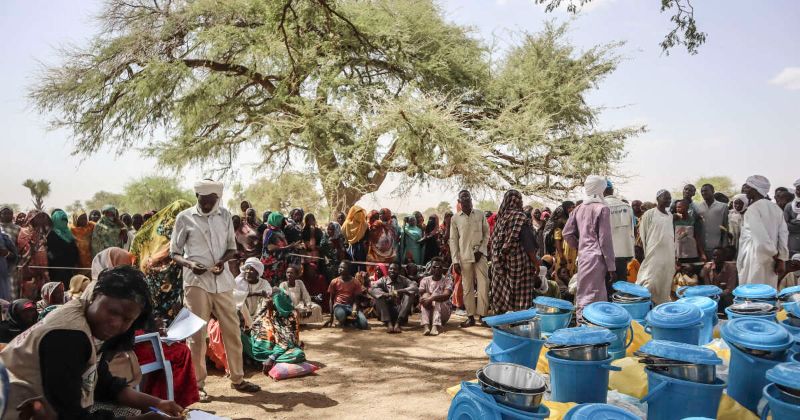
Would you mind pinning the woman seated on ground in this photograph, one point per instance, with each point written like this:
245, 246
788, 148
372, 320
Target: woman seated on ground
63, 360
275, 336
52, 297
77, 285
22, 315
308, 311
252, 289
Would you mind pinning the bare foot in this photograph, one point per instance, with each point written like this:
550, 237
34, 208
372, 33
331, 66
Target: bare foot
426, 330
434, 330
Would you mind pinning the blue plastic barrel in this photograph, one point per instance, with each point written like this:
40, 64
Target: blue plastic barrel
672, 398
510, 348
755, 293
786, 375
746, 372
675, 321
778, 408
616, 319
710, 319
637, 310
579, 381
598, 411
706, 290
795, 332
471, 403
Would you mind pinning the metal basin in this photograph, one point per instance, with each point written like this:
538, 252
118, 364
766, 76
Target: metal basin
529, 328
689, 372
620, 297
794, 297
582, 352
793, 320
512, 385
753, 308
764, 354
789, 395
544, 309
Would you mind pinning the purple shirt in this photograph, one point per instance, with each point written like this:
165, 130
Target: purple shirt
589, 230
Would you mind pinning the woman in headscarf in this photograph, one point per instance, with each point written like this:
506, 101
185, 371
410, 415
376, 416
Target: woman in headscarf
82, 230
109, 231
355, 232
32, 247
736, 217
514, 265
313, 269
383, 240
61, 249
588, 231
163, 276
333, 249
52, 295
430, 242
410, 242
247, 234
110, 258
308, 311
77, 285
251, 289
275, 336
276, 249
22, 315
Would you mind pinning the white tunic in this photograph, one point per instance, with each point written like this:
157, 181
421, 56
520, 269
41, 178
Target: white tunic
658, 239
764, 235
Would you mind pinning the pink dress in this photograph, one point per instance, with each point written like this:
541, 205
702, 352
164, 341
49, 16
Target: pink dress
441, 310
589, 230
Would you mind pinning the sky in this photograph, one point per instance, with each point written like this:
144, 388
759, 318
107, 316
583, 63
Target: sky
733, 109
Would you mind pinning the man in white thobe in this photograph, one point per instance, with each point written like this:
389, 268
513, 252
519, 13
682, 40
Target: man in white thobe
658, 239
763, 242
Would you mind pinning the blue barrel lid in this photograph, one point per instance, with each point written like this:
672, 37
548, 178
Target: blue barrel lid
607, 314
510, 317
757, 334
706, 290
581, 336
755, 291
789, 291
631, 289
792, 308
785, 374
599, 412
706, 304
674, 315
688, 353
555, 303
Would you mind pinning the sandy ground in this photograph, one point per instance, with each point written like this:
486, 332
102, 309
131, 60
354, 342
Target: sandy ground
363, 375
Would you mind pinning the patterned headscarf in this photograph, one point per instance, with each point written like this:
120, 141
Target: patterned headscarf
61, 226
153, 237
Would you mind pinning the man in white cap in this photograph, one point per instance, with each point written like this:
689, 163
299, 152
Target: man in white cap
658, 239
589, 230
791, 213
202, 242
763, 240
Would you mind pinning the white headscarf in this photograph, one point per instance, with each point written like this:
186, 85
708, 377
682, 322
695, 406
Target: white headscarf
593, 187
759, 183
256, 264
796, 183
208, 187
743, 199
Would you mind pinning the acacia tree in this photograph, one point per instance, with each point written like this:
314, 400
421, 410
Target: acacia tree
353, 91
285, 192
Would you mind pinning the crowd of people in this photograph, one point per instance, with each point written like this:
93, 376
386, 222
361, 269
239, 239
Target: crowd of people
88, 287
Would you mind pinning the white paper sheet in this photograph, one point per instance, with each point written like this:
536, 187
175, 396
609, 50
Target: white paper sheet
202, 415
183, 326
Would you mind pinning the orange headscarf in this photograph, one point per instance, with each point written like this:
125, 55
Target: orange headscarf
355, 225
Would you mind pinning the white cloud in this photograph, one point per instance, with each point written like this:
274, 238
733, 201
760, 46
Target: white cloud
788, 78
590, 6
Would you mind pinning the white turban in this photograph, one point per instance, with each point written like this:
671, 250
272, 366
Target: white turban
593, 187
208, 187
759, 183
743, 199
660, 192
256, 264
797, 183
796, 257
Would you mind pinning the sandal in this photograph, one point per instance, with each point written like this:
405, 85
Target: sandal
247, 387
204, 398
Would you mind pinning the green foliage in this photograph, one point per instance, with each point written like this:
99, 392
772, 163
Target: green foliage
487, 205
349, 91
102, 198
443, 207
683, 33
39, 190
721, 183
75, 207
153, 193
287, 191
14, 207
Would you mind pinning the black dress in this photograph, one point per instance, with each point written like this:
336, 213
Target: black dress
61, 253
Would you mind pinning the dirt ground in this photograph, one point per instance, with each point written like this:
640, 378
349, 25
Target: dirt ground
363, 375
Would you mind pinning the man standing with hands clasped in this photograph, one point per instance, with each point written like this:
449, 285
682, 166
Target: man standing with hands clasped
469, 239
202, 242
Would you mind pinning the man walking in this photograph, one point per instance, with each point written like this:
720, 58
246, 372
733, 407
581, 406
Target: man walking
469, 238
715, 220
622, 228
202, 242
764, 238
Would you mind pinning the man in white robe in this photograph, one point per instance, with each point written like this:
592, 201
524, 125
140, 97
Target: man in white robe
763, 242
658, 239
